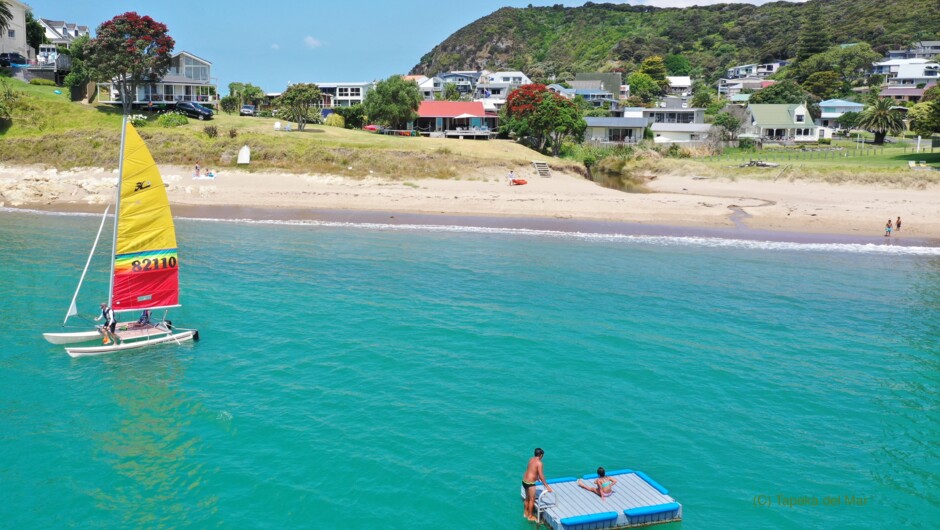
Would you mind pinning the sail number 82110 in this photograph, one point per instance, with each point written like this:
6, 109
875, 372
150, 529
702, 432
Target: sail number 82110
146, 264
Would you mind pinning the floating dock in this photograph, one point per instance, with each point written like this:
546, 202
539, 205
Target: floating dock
637, 500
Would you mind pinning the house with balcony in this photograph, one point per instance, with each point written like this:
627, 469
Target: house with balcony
430, 87
781, 122
925, 49
497, 85
188, 79
456, 119
833, 109
614, 130
904, 93
595, 96
730, 87
343, 94
58, 33
465, 80
914, 75
680, 85
13, 36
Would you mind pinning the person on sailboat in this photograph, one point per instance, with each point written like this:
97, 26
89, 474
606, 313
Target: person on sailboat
144, 319
110, 324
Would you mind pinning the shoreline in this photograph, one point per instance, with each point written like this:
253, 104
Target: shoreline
788, 210
388, 219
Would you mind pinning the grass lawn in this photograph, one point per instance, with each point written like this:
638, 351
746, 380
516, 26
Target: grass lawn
49, 129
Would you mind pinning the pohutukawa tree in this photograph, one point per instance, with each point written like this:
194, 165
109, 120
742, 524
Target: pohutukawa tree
130, 51
299, 103
536, 112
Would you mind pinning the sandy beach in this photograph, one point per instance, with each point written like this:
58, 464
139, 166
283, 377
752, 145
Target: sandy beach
783, 206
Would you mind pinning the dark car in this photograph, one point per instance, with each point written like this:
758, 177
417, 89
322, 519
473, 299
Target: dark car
194, 110
12, 58
247, 110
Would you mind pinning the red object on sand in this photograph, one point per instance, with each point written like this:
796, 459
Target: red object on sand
519, 182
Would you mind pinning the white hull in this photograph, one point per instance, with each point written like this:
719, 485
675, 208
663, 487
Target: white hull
71, 338
113, 348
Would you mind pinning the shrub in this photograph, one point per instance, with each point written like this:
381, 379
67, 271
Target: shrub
233, 133
172, 119
41, 82
137, 120
335, 120
211, 131
825, 141
5, 72
265, 114
746, 143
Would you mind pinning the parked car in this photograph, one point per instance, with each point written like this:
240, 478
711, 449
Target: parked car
247, 110
194, 110
7, 58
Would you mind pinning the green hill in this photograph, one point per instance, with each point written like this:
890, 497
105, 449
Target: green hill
543, 41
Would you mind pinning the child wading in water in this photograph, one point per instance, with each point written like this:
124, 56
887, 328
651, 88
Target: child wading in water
888, 228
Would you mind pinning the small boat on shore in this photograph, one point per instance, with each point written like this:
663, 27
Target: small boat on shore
144, 260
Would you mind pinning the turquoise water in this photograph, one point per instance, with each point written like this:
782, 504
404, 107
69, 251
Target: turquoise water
375, 378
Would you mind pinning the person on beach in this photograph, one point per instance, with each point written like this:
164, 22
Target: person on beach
603, 486
897, 224
197, 170
888, 228
533, 473
110, 323
512, 177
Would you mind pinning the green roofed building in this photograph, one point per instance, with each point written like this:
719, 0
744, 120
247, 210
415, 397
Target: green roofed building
782, 122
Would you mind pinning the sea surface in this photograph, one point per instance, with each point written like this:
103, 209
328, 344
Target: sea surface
395, 377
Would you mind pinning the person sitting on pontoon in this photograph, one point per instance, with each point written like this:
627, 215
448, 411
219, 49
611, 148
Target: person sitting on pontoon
605, 485
144, 319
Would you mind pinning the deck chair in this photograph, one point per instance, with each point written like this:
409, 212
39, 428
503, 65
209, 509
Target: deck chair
911, 164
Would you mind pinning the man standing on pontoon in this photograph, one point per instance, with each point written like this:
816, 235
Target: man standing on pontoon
110, 323
533, 472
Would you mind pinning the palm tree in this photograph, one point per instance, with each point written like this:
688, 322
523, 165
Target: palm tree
881, 119
6, 16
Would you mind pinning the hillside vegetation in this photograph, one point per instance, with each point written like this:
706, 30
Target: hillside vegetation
544, 41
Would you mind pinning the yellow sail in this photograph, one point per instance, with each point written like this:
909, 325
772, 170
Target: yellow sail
146, 263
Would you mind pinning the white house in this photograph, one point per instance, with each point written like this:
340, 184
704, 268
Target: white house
925, 49
680, 132
344, 94
754, 70
430, 87
13, 38
615, 130
911, 75
785, 122
497, 85
58, 33
833, 109
679, 84
188, 79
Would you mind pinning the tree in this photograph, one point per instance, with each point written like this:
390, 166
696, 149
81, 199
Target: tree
130, 51
728, 124
787, 92
824, 85
851, 63
678, 65
354, 116
450, 93
298, 101
6, 16
393, 102
849, 120
702, 99
536, 112
812, 39
229, 104
924, 119
655, 67
35, 33
8, 98
246, 93
80, 74
881, 119
644, 87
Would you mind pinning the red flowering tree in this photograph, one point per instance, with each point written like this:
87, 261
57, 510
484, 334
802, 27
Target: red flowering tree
536, 112
130, 50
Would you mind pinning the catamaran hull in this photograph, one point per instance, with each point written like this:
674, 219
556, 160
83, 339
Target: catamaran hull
124, 346
71, 338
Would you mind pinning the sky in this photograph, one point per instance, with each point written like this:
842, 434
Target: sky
276, 42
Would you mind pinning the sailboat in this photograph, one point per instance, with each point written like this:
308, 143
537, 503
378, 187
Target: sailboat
144, 259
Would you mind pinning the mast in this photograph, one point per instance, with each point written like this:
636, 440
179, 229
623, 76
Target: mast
117, 210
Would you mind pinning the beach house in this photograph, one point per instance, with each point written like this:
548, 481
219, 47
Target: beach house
343, 94
781, 122
680, 132
188, 79
465, 80
456, 119
58, 33
833, 109
925, 49
13, 37
615, 130
680, 85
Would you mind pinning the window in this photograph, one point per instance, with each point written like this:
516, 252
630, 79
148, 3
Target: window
195, 70
800, 118
11, 33
619, 135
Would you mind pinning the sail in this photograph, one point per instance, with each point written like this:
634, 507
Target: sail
146, 262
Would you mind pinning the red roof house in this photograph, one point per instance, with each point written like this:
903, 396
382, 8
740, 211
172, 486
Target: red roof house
451, 109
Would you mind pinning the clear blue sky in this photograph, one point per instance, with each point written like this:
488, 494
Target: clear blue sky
271, 43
